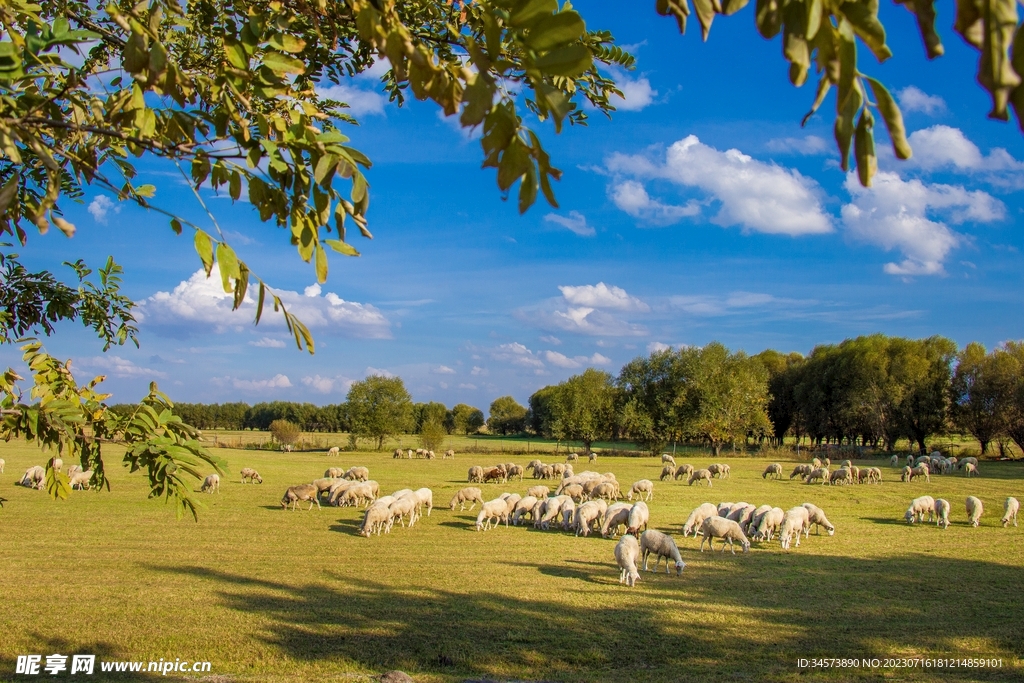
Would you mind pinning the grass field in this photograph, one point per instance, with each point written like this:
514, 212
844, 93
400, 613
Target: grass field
269, 595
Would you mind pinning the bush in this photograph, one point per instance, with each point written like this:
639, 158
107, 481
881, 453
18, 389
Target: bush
285, 432
432, 435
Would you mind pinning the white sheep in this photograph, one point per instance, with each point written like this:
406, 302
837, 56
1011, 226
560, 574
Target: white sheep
841, 476
294, 494
920, 471
35, 477
725, 529
2, 463
970, 469
401, 493
697, 517
699, 476
616, 515
249, 474
1010, 508
338, 489
524, 507
377, 518
667, 472
942, 513
894, 461
639, 516
592, 457
774, 471
725, 508
963, 461
795, 521
587, 514
910, 460
333, 450
568, 513
752, 522
919, 507
448, 454
358, 493
476, 475
514, 469
426, 498
643, 486
572, 457
815, 463
334, 472
818, 473
665, 457
548, 512
802, 470
402, 508
607, 490
495, 510
769, 524
80, 480
684, 470
627, 552
357, 474
538, 491
57, 464
653, 542
397, 454
974, 510
816, 516
741, 514
211, 484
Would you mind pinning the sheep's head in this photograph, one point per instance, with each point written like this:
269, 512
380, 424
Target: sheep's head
746, 546
258, 478
831, 530
909, 516
680, 566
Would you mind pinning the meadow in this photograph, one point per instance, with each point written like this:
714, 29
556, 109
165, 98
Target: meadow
272, 595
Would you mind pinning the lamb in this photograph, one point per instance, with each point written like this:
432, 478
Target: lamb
377, 517
774, 471
725, 529
587, 514
918, 508
894, 461
1010, 508
974, 510
795, 521
684, 471
660, 545
816, 516
970, 469
695, 520
665, 457
538, 491
960, 464
639, 516
627, 552
770, 523
699, 476
524, 507
572, 457
614, 516
80, 480
333, 450
755, 520
942, 513
294, 494
252, 475
667, 472
920, 471
643, 486
802, 470
450, 453
357, 474
818, 473
492, 510
476, 475
211, 484
35, 477
334, 473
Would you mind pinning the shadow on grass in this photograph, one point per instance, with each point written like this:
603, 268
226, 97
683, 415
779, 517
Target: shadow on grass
806, 605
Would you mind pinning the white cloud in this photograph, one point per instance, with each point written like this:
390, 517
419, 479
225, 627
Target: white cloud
914, 99
637, 93
100, 207
443, 385
370, 370
575, 221
590, 321
562, 361
268, 343
894, 214
443, 370
201, 303
278, 381
551, 339
120, 367
326, 385
941, 146
602, 296
467, 386
631, 196
734, 303
657, 346
809, 145
478, 371
759, 196
360, 101
517, 354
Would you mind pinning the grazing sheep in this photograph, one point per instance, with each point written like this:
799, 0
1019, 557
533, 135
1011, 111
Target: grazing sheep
334, 473
665, 457
72, 470
572, 457
511, 501
840, 477
894, 461
653, 542
568, 512
333, 450
907, 473
513, 470
401, 493
338, 489
545, 472
574, 491
802, 470
430, 455
847, 464
774, 471
538, 491
752, 522
421, 452
769, 524
607, 490
826, 463
499, 474
450, 453
57, 464
627, 552
969, 469
402, 508
725, 529
918, 508
35, 478
357, 474
397, 455
587, 514
816, 516
963, 461
741, 514
874, 475
942, 513
697, 517
639, 516
409, 453
534, 464
974, 510
558, 469
549, 513
377, 518
252, 475
616, 515
1010, 509
81, 480
211, 484
643, 486
818, 473
855, 474
524, 507
324, 484
667, 472
592, 457
683, 471
721, 471
358, 493
492, 510
920, 471
910, 461
294, 494
795, 521
476, 474
815, 463
699, 476
725, 508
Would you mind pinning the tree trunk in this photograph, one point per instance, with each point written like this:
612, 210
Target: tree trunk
984, 446
717, 448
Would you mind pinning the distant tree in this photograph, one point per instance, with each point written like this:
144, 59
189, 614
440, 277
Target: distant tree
925, 408
507, 416
981, 390
783, 375
432, 435
285, 432
540, 418
379, 408
424, 413
1014, 410
583, 408
467, 419
647, 411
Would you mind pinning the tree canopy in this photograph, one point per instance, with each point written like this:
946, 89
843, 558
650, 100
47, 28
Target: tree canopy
379, 408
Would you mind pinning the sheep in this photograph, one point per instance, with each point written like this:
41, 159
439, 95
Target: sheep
568, 512
643, 486
337, 489
357, 474
795, 521
725, 508
684, 471
362, 492
323, 485
430, 455
334, 473
450, 453
925, 459
721, 470
802, 470
606, 490
592, 457
970, 469
907, 474
377, 517
960, 464
667, 472
741, 514
421, 452
499, 474
57, 464
72, 470
574, 491
333, 450
614, 516
567, 473
894, 461
752, 522
818, 473
492, 510
826, 463
511, 501
476, 475
840, 477
549, 513
524, 507
918, 508
653, 542
910, 461
697, 517
875, 475
401, 493
974, 510
211, 484
35, 477
665, 457
855, 474
81, 480
639, 516
408, 454
397, 455
294, 494
627, 552
544, 472
725, 529
920, 471
587, 514
942, 513
401, 508
774, 471
847, 464
699, 476
252, 475
815, 463
558, 469
572, 457
816, 516
769, 524
534, 464
538, 491
1010, 508
514, 469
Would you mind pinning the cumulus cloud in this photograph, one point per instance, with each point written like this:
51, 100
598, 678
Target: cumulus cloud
758, 196
326, 385
657, 346
100, 207
602, 296
914, 99
575, 221
945, 147
379, 372
902, 214
268, 343
584, 309
562, 361
120, 367
443, 370
551, 339
631, 196
478, 371
278, 381
200, 303
637, 93
467, 386
517, 354
809, 145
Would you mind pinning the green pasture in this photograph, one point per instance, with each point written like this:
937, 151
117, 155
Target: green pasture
269, 595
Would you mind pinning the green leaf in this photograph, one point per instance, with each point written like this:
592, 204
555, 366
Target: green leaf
557, 29
176, 226
259, 302
768, 17
864, 147
844, 126
924, 11
320, 264
893, 119
342, 247
824, 85
281, 64
565, 61
228, 263
235, 185
146, 190
527, 10
863, 16
235, 54
9, 191
204, 247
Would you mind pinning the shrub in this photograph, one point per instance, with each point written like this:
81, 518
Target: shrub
285, 432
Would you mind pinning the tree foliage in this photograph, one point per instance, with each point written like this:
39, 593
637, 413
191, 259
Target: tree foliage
432, 435
583, 408
467, 419
379, 408
285, 432
506, 416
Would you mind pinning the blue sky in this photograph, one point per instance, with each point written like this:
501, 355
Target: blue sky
702, 211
